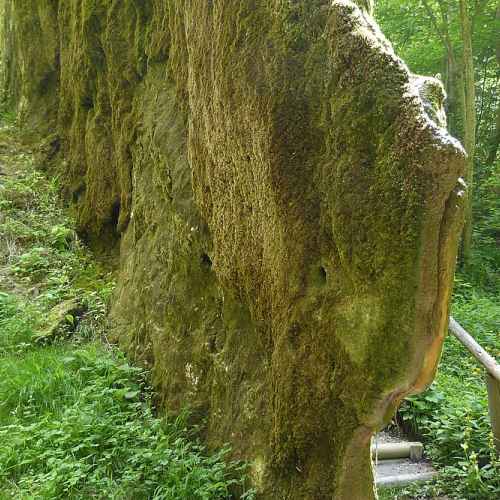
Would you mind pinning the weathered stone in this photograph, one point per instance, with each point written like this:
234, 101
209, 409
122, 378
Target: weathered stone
62, 319
287, 207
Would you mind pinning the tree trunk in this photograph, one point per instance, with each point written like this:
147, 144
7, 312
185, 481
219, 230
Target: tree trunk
469, 125
495, 136
452, 71
455, 93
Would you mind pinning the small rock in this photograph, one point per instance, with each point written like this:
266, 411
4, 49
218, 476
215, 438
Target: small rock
62, 318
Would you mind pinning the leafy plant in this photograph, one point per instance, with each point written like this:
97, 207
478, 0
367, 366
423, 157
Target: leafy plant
89, 429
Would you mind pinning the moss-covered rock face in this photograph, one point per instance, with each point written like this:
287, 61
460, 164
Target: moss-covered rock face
286, 206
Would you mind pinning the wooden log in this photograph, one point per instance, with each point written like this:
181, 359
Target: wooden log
494, 408
405, 449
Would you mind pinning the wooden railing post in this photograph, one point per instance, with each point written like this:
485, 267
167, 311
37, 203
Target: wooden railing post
494, 407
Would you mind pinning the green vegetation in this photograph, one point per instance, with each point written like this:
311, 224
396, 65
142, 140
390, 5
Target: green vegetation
452, 415
76, 419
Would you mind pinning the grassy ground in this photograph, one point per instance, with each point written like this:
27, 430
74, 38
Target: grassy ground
76, 419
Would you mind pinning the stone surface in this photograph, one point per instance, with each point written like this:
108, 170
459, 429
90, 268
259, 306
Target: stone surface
392, 469
287, 213
61, 319
390, 473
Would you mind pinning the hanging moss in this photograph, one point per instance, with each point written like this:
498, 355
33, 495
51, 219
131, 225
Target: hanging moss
285, 207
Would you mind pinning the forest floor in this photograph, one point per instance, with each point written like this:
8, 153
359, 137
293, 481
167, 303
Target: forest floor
76, 419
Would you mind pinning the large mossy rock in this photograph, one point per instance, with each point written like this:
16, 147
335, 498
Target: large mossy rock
287, 211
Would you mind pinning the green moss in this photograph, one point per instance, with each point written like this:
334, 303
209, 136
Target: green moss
286, 240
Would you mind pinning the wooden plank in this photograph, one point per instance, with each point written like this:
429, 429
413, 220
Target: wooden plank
403, 449
494, 407
489, 363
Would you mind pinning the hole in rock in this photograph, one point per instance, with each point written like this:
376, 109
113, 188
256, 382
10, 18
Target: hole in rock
87, 102
206, 261
322, 275
115, 214
78, 193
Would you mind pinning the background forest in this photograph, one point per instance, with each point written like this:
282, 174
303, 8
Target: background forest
459, 40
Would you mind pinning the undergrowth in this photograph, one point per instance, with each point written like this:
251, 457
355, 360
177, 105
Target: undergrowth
76, 419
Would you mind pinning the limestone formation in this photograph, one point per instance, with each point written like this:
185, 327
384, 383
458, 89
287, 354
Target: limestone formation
61, 320
286, 211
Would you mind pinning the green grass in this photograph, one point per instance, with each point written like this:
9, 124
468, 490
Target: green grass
398, 494
78, 424
76, 419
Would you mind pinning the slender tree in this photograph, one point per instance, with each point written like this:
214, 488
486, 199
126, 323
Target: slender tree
495, 135
440, 21
469, 122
